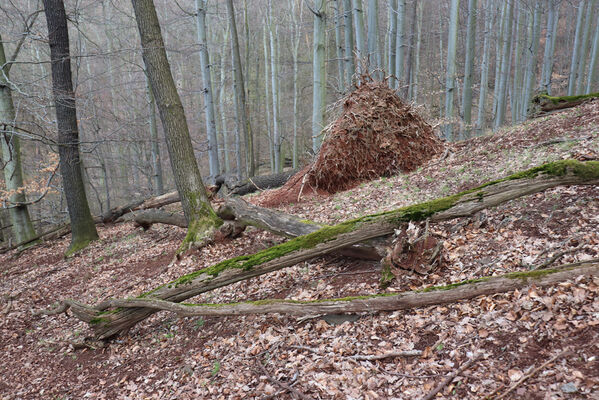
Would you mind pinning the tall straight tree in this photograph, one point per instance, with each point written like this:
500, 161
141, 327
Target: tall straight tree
83, 229
374, 54
469, 63
319, 75
484, 68
361, 48
339, 43
22, 228
451, 67
278, 165
593, 68
532, 52
550, 36
392, 40
505, 66
584, 45
157, 182
201, 218
411, 52
205, 66
576, 49
350, 67
241, 107
400, 42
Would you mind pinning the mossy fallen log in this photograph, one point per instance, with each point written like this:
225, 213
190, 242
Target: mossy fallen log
436, 295
543, 103
108, 322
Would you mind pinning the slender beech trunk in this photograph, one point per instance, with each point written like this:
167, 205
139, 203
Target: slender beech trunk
551, 32
374, 54
22, 228
576, 48
295, 54
243, 123
319, 75
205, 66
392, 40
451, 67
339, 43
414, 78
221, 100
593, 75
361, 51
484, 69
268, 93
350, 67
531, 64
469, 64
82, 224
410, 61
275, 94
157, 182
580, 82
498, 49
198, 212
505, 66
517, 84
400, 43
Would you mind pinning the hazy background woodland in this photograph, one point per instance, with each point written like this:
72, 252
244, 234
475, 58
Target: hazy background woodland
532, 44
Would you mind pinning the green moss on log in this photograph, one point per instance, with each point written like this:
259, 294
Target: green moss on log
565, 99
588, 170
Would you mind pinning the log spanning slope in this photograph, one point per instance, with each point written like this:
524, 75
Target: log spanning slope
111, 318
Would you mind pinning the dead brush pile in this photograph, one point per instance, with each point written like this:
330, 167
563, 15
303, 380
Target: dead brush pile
376, 135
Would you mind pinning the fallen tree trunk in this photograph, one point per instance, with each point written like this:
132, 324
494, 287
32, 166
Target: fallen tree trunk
262, 182
544, 104
378, 302
333, 238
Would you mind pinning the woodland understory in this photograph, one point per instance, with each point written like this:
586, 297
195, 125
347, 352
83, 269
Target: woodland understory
533, 343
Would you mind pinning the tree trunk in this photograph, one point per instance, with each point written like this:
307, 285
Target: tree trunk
576, 49
358, 16
339, 44
505, 66
414, 78
199, 213
22, 228
531, 64
484, 69
374, 54
593, 75
333, 238
207, 90
410, 61
350, 67
221, 100
400, 43
451, 64
437, 295
82, 224
319, 76
262, 182
241, 104
469, 64
392, 41
157, 181
276, 130
584, 45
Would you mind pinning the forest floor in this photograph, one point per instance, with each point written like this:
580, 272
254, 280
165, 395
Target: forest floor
168, 357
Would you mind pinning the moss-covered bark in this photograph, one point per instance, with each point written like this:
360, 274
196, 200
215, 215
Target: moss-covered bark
332, 238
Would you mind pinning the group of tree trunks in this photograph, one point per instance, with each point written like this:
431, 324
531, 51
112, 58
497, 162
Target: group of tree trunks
113, 317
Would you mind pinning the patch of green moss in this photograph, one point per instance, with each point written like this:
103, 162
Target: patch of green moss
76, 246
99, 320
204, 222
559, 99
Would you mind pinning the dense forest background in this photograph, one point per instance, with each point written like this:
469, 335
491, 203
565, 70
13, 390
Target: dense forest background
468, 66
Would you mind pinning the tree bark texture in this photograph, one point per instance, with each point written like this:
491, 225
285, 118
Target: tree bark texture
82, 223
333, 238
22, 228
194, 199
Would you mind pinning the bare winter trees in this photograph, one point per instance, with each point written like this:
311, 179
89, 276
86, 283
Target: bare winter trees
200, 216
82, 224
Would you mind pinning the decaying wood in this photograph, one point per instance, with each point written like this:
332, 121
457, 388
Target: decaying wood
262, 182
543, 104
375, 303
332, 239
450, 378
